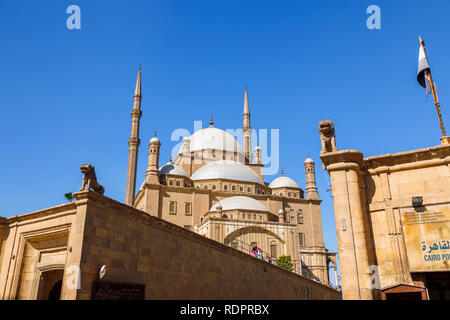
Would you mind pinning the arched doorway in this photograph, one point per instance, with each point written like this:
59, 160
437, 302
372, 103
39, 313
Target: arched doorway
50, 285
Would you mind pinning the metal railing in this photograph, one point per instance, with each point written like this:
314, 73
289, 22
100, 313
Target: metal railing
247, 248
297, 268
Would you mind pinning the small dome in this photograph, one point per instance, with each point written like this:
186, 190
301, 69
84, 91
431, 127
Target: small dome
309, 160
283, 182
172, 169
239, 203
227, 169
154, 139
213, 138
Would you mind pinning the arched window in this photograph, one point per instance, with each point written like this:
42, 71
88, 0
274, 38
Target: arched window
172, 207
301, 239
273, 250
187, 208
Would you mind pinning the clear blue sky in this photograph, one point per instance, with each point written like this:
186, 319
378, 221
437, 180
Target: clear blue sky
66, 95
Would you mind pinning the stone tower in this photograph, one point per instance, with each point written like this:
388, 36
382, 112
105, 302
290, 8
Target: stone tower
257, 155
247, 129
311, 188
133, 143
152, 173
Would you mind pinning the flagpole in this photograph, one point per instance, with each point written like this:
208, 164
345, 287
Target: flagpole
434, 91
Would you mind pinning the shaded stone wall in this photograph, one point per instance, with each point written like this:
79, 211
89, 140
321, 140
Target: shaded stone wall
175, 263
172, 262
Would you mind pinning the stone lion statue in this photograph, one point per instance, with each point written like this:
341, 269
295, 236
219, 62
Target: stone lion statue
90, 179
327, 136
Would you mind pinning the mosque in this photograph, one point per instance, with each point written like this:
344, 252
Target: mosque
188, 232
217, 188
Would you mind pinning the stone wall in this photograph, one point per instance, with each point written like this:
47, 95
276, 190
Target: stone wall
4, 231
172, 262
369, 195
175, 263
37, 242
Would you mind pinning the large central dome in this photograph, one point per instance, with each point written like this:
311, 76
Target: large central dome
213, 138
228, 170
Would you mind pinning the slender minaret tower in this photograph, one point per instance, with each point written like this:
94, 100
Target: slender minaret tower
311, 188
152, 173
247, 129
133, 143
257, 155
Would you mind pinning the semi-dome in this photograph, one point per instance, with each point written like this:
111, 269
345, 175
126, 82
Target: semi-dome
283, 182
227, 169
172, 169
213, 138
239, 203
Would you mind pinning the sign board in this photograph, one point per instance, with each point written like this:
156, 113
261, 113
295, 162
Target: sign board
427, 238
103, 290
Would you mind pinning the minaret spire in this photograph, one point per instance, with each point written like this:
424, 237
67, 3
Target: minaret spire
138, 90
246, 110
247, 129
133, 142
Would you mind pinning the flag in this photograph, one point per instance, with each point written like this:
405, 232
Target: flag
423, 69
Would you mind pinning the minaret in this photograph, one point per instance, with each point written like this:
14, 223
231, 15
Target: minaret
152, 173
311, 188
186, 150
247, 129
257, 155
281, 215
133, 143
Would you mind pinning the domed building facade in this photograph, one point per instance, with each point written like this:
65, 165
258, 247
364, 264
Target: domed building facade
216, 187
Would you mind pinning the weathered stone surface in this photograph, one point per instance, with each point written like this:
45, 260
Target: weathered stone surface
173, 263
369, 195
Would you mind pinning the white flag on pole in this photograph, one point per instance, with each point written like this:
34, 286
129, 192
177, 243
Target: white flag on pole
423, 69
